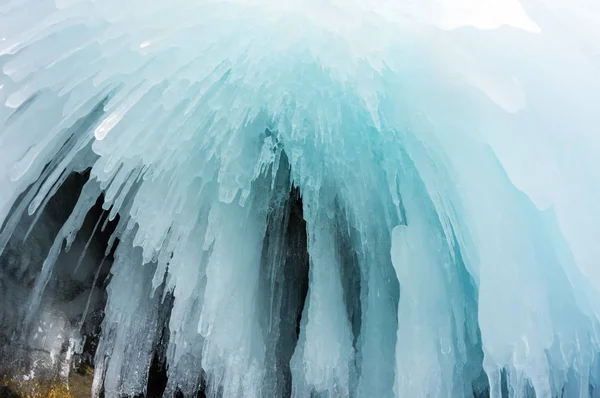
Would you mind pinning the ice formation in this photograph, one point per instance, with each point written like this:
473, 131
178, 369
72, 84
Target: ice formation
271, 198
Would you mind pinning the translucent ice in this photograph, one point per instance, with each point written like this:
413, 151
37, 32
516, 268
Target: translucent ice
302, 198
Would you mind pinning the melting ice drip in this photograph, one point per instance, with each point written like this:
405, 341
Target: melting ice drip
307, 198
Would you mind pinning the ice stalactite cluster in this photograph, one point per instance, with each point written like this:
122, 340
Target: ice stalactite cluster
303, 198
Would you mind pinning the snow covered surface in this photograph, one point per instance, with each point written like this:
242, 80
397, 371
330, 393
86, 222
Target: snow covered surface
446, 153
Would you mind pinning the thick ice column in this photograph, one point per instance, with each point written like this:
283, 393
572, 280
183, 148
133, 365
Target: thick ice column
324, 358
187, 271
426, 349
369, 282
378, 320
129, 328
234, 349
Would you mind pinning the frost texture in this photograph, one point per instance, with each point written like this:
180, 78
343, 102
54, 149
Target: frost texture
446, 156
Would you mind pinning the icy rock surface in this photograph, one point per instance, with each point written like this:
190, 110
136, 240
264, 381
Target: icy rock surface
308, 198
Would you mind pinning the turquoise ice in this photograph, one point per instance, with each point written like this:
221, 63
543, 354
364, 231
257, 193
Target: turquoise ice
447, 156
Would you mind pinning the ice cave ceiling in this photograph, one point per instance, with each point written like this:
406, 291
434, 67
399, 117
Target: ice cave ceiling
300, 198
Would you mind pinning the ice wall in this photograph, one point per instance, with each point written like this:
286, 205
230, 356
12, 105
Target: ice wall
313, 198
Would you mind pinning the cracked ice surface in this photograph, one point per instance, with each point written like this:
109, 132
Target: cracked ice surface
446, 155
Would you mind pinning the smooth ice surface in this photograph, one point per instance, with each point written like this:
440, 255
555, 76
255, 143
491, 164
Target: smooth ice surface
385, 198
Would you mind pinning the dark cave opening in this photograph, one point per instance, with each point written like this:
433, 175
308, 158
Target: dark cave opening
76, 292
284, 274
84, 271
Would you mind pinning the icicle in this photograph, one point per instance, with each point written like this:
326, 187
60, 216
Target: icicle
89, 299
87, 245
324, 357
39, 208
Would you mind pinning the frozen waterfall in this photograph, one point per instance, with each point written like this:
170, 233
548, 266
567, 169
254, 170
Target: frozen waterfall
300, 198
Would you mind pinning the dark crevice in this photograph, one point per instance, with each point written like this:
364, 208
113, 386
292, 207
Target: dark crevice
283, 281
296, 264
6, 392
292, 287
349, 274
157, 375
202, 387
